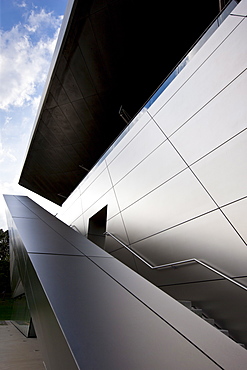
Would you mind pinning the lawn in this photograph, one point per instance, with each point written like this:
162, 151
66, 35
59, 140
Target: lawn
6, 307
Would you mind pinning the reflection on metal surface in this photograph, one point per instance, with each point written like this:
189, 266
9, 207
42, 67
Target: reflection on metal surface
177, 263
89, 302
20, 316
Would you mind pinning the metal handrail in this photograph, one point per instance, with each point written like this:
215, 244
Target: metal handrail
177, 263
75, 228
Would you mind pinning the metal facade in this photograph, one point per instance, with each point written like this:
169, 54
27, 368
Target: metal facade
109, 54
92, 312
172, 187
175, 184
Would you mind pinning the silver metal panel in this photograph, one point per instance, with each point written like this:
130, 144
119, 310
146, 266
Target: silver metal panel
119, 320
116, 226
37, 211
125, 138
198, 59
75, 211
162, 164
16, 209
220, 300
237, 214
136, 336
142, 144
189, 273
187, 323
242, 280
55, 349
222, 118
39, 237
79, 225
178, 200
105, 305
107, 199
92, 176
123, 254
73, 200
205, 82
96, 190
65, 240
210, 238
241, 9
224, 171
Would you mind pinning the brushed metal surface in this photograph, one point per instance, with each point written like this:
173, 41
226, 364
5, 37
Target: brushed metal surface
38, 237
107, 198
173, 312
133, 330
117, 226
176, 201
107, 313
16, 209
124, 139
160, 166
138, 148
167, 215
96, 190
220, 300
237, 214
228, 26
171, 210
210, 238
224, 172
241, 9
92, 176
215, 73
222, 118
55, 349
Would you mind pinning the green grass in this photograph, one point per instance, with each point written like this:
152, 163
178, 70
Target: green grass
6, 307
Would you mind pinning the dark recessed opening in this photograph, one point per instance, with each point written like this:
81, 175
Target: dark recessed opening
97, 227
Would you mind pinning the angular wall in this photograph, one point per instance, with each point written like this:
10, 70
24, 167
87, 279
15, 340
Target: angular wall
175, 183
92, 312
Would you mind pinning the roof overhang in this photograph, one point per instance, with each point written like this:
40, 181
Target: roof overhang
109, 54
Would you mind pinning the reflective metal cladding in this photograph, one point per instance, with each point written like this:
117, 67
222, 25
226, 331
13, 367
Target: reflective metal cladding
110, 56
92, 312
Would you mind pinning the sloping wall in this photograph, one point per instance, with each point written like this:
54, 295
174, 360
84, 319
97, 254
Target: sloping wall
90, 311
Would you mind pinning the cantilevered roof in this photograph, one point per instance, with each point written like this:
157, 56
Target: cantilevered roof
109, 54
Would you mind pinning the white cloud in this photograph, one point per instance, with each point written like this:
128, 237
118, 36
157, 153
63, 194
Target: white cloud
7, 120
21, 5
26, 51
6, 154
42, 20
35, 104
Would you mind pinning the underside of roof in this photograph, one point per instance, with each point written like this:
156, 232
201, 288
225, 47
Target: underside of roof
111, 54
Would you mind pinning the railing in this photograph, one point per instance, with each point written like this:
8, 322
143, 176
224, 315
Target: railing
175, 264
75, 228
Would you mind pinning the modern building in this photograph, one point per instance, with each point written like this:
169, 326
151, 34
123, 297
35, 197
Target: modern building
144, 267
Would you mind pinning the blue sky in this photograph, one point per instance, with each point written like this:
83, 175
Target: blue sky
29, 30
